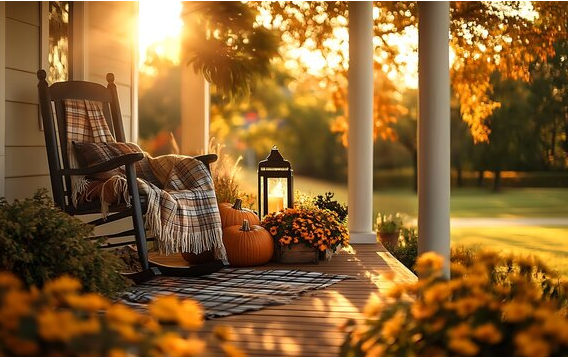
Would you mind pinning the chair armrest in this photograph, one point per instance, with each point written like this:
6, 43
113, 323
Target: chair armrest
207, 159
105, 166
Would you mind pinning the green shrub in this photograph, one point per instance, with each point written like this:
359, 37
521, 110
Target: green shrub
407, 249
39, 242
327, 202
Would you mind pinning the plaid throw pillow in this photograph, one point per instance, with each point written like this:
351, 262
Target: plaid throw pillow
89, 154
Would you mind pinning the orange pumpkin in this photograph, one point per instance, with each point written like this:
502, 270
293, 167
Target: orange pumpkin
248, 245
234, 214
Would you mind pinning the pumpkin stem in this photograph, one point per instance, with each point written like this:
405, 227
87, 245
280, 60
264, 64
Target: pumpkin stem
238, 204
246, 225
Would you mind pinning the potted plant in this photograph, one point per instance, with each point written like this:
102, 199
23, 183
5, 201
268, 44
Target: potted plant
302, 232
388, 228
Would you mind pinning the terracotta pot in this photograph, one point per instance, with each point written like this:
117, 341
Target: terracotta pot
203, 257
389, 239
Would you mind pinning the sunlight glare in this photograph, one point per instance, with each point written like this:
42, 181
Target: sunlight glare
160, 26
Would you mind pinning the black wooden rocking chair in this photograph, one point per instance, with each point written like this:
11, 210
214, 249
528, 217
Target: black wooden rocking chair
54, 122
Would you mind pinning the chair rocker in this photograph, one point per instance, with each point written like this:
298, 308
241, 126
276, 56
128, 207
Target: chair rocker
53, 114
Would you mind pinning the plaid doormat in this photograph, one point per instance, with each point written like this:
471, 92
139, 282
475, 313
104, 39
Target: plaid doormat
233, 291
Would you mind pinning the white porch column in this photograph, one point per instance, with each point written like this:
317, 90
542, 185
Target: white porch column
434, 129
360, 152
195, 101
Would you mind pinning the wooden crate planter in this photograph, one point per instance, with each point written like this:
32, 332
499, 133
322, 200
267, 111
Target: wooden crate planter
296, 254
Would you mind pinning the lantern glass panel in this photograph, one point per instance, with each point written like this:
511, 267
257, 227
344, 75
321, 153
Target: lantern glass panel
277, 194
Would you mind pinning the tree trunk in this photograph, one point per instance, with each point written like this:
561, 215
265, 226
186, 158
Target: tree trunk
459, 178
480, 174
497, 181
552, 157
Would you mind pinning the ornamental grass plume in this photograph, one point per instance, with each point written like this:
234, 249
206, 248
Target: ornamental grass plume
59, 320
493, 305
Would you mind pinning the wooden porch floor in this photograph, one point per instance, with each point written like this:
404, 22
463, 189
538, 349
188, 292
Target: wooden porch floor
309, 326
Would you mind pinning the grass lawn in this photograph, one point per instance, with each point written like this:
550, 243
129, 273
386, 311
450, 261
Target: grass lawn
467, 202
549, 243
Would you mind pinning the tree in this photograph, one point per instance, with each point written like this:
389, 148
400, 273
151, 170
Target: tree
486, 37
549, 101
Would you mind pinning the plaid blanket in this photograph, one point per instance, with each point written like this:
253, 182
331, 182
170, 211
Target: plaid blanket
231, 290
182, 214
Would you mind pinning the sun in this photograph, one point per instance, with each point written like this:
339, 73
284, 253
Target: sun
160, 27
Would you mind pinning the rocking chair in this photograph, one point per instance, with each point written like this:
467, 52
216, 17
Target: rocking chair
53, 114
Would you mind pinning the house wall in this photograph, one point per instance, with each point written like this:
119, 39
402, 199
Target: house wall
111, 47
104, 43
25, 159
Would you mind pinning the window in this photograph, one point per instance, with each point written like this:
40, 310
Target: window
59, 34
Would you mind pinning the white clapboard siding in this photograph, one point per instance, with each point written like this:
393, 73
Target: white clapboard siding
108, 48
25, 166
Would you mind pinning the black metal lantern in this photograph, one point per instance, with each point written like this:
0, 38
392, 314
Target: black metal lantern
275, 184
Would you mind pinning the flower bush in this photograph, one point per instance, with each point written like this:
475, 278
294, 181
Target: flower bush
327, 202
58, 320
388, 223
306, 225
492, 306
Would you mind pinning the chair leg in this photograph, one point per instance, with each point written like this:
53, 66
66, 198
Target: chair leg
137, 221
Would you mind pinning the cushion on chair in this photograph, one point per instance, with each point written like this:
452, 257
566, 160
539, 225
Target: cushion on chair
89, 154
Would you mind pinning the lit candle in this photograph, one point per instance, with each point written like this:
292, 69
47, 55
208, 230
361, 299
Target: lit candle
275, 203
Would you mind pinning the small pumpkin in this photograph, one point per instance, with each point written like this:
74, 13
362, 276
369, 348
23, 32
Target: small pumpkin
248, 245
234, 214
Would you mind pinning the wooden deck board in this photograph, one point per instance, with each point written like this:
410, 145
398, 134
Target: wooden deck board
310, 325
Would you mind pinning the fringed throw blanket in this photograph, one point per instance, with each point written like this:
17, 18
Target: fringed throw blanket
182, 208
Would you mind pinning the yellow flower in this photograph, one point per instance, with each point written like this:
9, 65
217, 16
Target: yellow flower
20, 346
9, 281
422, 311
396, 291
557, 326
392, 327
224, 333
122, 314
488, 333
460, 331
437, 293
115, 352
429, 263
516, 311
273, 231
437, 324
463, 346
376, 351
169, 309
373, 306
232, 351
62, 285
87, 302
16, 304
57, 326
175, 346
466, 306
127, 332
529, 345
